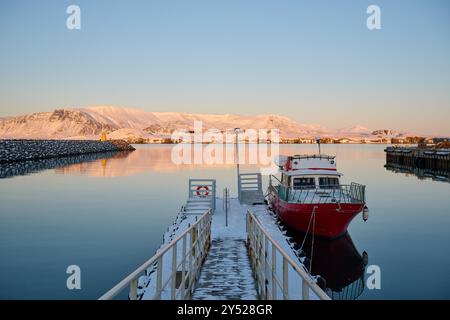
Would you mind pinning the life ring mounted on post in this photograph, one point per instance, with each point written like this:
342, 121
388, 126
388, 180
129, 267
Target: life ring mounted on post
202, 191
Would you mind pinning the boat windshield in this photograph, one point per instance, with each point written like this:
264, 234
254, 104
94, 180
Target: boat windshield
303, 183
328, 182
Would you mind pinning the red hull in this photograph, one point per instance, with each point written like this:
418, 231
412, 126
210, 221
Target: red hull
330, 223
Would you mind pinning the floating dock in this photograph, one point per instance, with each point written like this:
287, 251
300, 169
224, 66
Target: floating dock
222, 248
423, 158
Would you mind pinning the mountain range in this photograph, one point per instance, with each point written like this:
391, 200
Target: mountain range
132, 124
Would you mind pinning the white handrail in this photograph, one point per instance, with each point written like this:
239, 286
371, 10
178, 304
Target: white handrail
200, 240
265, 269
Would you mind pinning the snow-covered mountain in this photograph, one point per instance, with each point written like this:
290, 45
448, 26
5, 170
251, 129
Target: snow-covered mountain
59, 124
125, 123
361, 131
357, 130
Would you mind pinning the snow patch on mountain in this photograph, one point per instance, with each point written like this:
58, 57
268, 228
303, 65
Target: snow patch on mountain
357, 130
118, 117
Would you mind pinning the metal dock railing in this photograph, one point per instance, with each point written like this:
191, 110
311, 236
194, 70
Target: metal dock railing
184, 272
250, 188
271, 283
203, 190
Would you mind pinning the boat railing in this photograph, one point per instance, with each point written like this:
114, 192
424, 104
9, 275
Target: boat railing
275, 281
277, 181
353, 193
179, 283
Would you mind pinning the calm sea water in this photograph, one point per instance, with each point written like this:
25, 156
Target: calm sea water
107, 215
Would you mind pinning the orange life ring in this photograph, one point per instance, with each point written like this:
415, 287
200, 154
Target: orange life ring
202, 193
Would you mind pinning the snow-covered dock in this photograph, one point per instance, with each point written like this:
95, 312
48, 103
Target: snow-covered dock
221, 249
226, 274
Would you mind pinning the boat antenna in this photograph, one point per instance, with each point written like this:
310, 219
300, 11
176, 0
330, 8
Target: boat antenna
237, 131
318, 143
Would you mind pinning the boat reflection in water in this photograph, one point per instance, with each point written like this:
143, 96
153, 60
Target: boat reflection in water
337, 261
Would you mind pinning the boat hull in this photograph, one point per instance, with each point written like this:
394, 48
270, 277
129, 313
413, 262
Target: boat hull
332, 220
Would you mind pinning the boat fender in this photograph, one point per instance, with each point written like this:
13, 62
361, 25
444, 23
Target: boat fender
322, 283
365, 258
365, 214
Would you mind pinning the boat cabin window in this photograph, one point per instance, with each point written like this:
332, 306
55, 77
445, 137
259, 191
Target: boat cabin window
328, 182
303, 183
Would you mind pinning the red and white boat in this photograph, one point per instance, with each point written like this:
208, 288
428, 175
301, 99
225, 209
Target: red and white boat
309, 197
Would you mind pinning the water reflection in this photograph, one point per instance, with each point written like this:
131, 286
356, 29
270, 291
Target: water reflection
8, 170
159, 158
338, 262
59, 217
420, 173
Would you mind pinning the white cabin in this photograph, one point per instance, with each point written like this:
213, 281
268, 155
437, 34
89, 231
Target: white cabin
309, 172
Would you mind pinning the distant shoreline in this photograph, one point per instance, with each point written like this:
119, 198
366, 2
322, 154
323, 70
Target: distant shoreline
169, 142
283, 143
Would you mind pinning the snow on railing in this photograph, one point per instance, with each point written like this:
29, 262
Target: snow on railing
182, 275
272, 281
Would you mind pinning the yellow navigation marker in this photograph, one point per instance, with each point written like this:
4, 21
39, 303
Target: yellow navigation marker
103, 138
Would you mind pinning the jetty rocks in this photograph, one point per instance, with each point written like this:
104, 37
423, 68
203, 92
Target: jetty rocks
25, 150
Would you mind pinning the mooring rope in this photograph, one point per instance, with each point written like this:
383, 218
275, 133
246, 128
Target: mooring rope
313, 221
312, 241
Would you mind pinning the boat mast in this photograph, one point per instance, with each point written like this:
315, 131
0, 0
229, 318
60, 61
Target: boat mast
237, 130
318, 143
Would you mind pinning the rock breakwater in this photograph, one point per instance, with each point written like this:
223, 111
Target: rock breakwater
26, 150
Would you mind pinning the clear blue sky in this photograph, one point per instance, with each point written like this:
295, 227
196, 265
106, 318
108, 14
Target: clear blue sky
312, 60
